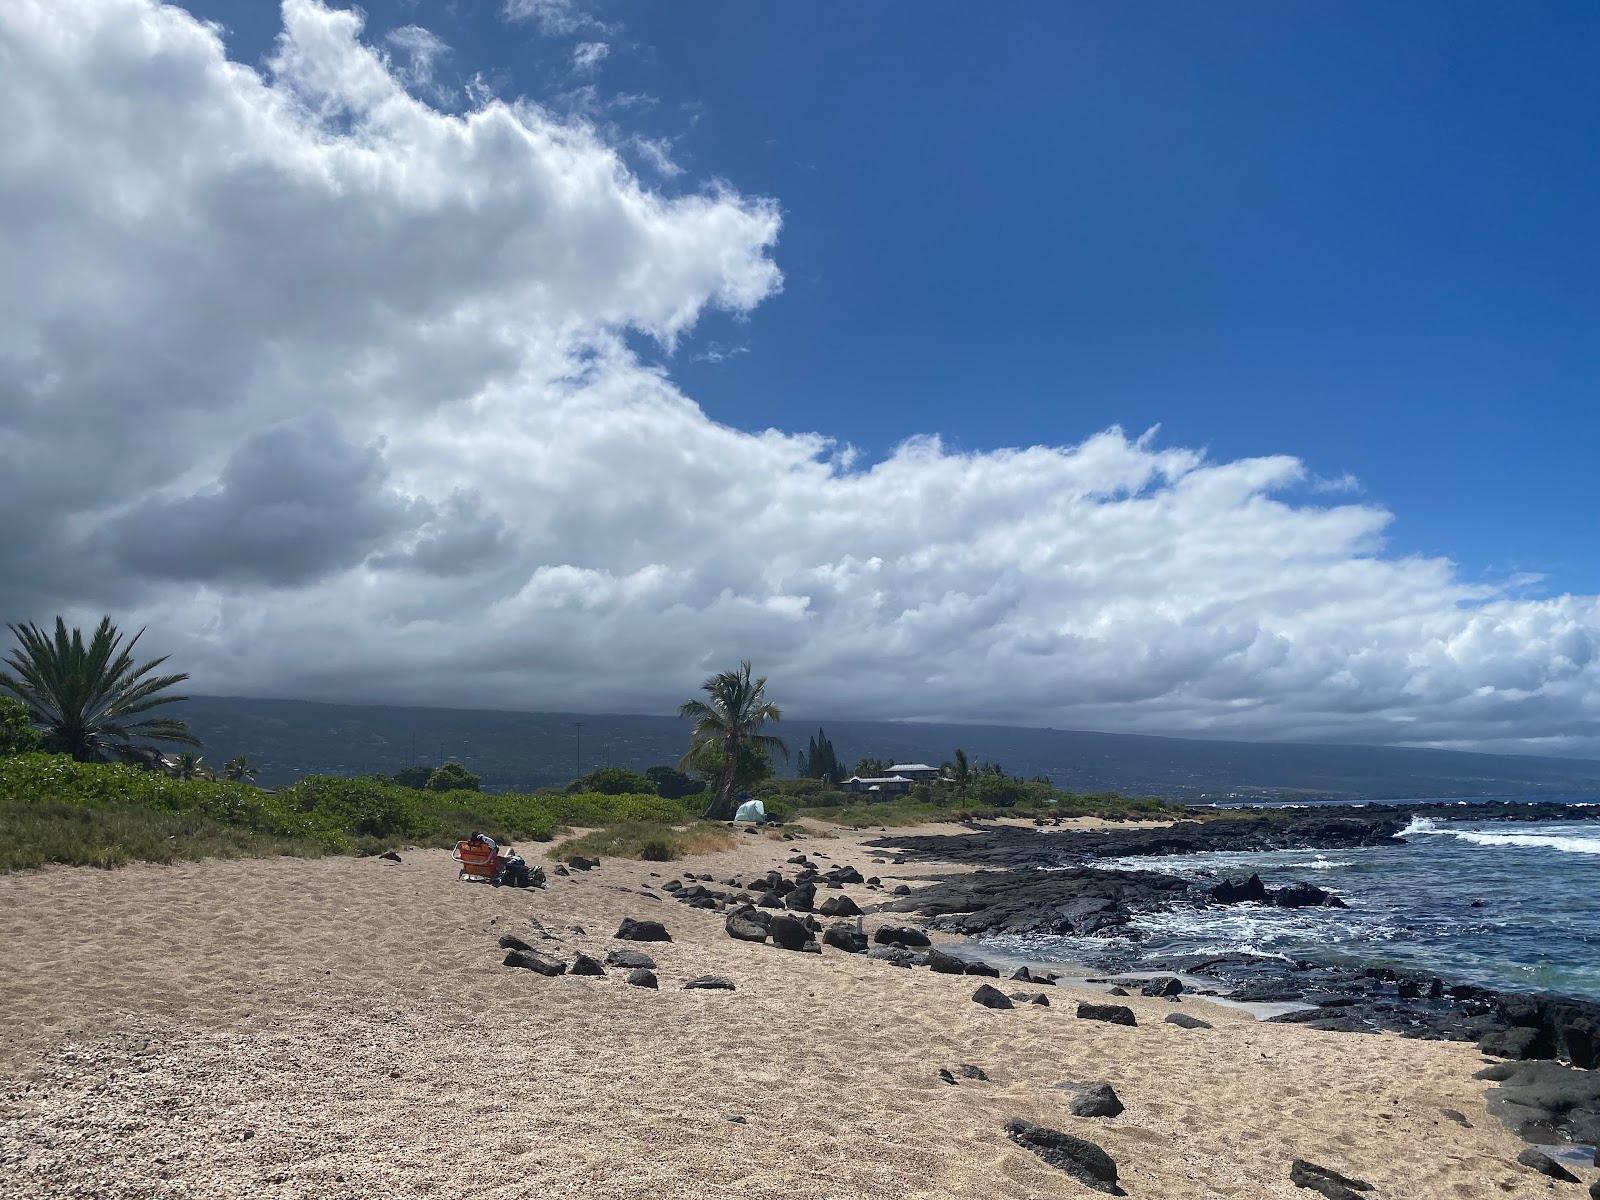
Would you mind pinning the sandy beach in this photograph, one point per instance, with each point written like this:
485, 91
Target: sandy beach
344, 1027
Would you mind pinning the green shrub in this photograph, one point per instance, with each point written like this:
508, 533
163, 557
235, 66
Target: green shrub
614, 781
17, 734
321, 812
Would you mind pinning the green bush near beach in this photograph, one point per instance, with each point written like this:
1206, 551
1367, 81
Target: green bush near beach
56, 810
919, 809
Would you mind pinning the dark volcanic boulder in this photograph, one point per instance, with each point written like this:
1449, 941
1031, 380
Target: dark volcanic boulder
1305, 895
641, 931
1328, 1182
1081, 1159
532, 960
584, 965
1092, 1099
510, 941
789, 932
769, 900
1116, 1014
389, 856
845, 937
641, 977
630, 958
747, 924
1545, 1165
1545, 1102
975, 967
1519, 1042
1241, 891
839, 906
709, 983
945, 964
991, 997
972, 1072
900, 935
579, 863
1185, 1021
801, 898
1161, 985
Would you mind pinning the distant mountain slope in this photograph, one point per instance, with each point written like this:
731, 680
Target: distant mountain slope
291, 738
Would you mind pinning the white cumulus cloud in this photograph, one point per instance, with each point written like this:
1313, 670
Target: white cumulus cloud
333, 388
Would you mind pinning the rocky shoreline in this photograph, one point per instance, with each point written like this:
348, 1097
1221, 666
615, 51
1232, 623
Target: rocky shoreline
1553, 1042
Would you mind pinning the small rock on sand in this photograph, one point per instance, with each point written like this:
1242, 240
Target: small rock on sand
709, 983
1116, 1014
901, 935
1092, 1099
641, 931
991, 997
640, 977
532, 960
1545, 1165
630, 958
1083, 1160
1326, 1181
1185, 1021
584, 965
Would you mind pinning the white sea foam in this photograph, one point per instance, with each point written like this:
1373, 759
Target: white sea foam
1566, 843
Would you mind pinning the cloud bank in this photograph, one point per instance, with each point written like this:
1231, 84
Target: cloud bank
333, 389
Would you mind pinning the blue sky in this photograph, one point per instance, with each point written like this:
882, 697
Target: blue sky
1362, 234
506, 355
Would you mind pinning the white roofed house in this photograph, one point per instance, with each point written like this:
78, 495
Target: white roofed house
916, 772
882, 785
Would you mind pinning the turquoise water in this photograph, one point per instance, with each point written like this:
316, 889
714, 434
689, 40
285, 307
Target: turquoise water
1536, 926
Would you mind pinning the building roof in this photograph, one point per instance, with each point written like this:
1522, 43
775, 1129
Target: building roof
897, 767
877, 779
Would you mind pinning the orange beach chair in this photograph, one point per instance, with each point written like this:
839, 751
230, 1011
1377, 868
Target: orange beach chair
477, 861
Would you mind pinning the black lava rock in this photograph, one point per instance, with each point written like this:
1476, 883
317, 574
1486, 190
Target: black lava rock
788, 931
1545, 1165
1185, 1021
1079, 1158
584, 965
532, 960
630, 958
641, 931
747, 924
991, 997
899, 935
845, 937
709, 983
1328, 1182
1116, 1014
641, 977
1092, 1099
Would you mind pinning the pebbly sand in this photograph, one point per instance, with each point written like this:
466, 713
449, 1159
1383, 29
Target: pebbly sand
344, 1027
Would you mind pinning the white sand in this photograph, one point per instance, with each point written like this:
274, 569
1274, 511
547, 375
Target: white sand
343, 1027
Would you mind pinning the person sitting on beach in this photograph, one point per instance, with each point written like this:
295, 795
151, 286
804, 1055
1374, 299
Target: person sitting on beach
483, 839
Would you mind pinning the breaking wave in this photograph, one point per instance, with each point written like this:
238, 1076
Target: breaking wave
1566, 843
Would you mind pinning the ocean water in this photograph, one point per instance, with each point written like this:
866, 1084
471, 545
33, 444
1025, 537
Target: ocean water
1535, 926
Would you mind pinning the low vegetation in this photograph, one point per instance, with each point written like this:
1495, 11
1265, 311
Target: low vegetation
54, 809
652, 841
912, 810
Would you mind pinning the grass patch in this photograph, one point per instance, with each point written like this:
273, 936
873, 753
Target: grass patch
649, 841
36, 835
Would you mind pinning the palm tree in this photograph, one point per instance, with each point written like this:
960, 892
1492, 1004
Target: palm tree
190, 766
240, 769
90, 701
732, 717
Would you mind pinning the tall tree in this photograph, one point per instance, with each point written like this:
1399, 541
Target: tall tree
819, 760
732, 716
91, 700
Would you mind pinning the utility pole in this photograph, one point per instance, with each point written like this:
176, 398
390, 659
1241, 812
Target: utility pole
578, 726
